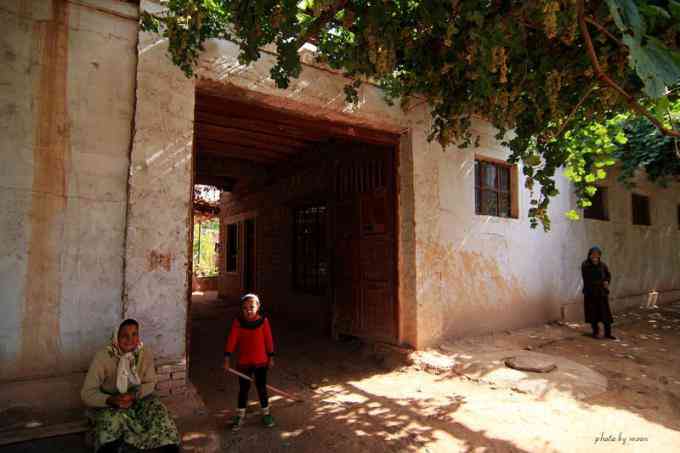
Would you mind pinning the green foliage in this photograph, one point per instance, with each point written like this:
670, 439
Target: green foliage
647, 149
590, 149
632, 142
206, 236
653, 62
520, 64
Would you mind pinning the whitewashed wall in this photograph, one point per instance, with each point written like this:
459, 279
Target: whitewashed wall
66, 107
158, 226
478, 274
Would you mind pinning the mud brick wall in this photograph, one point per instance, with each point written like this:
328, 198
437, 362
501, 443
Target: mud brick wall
272, 208
172, 379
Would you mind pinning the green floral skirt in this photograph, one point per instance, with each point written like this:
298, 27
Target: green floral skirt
147, 424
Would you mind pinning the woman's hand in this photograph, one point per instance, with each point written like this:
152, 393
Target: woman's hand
271, 363
124, 401
606, 284
226, 365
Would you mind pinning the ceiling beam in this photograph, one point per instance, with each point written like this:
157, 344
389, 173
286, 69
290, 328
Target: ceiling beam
235, 152
263, 134
224, 166
226, 107
255, 125
213, 133
246, 149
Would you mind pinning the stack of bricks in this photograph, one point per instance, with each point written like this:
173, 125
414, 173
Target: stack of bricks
171, 379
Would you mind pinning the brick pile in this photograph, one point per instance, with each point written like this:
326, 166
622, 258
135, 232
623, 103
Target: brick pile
172, 379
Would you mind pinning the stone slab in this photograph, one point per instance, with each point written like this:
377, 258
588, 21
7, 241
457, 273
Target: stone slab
531, 363
567, 379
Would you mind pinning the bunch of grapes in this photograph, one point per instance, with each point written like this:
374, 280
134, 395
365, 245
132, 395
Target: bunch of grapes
320, 6
550, 11
277, 17
471, 52
381, 55
499, 63
553, 85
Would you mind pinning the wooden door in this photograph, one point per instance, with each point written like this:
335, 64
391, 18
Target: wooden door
346, 278
364, 247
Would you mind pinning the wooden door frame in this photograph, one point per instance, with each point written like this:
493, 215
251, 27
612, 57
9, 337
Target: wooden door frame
397, 245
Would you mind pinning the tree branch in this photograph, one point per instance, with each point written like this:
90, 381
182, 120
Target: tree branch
316, 26
575, 109
632, 103
604, 30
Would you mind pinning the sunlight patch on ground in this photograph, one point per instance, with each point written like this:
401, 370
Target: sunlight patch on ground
433, 405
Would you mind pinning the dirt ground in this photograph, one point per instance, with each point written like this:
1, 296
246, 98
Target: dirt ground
357, 401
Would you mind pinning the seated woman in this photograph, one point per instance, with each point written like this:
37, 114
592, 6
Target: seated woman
119, 387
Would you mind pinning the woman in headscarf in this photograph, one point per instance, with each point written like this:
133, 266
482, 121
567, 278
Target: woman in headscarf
596, 278
119, 387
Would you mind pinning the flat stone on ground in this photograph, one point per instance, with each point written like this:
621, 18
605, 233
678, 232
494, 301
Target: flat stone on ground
535, 363
434, 362
567, 377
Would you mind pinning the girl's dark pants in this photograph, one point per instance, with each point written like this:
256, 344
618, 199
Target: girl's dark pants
260, 374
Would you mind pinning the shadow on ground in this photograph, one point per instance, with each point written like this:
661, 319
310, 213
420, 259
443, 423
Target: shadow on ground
336, 414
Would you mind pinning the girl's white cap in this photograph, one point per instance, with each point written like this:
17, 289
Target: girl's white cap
250, 296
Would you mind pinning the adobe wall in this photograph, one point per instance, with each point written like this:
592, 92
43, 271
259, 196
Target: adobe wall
66, 111
272, 209
479, 274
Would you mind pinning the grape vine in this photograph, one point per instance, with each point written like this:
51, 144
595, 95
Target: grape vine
551, 76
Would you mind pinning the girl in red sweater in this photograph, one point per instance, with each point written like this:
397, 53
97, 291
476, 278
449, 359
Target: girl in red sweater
251, 335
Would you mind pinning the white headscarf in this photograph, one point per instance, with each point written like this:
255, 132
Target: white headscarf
126, 374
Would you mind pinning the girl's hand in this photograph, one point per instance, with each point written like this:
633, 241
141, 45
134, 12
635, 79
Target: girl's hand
226, 364
271, 362
606, 284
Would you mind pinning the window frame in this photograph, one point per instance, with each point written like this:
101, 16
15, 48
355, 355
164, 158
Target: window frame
513, 189
227, 248
648, 213
320, 247
604, 196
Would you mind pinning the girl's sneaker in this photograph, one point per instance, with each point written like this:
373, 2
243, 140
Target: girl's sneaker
268, 420
237, 423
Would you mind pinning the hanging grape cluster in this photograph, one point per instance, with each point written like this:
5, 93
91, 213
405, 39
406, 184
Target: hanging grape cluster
522, 65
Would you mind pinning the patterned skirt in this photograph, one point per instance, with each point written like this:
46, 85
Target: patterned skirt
147, 424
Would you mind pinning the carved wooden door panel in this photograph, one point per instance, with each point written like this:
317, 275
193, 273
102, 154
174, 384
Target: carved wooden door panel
365, 266
345, 272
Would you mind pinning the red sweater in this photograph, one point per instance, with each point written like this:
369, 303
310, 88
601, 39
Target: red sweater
254, 342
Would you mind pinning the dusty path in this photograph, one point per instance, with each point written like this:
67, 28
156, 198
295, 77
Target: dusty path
360, 406
353, 403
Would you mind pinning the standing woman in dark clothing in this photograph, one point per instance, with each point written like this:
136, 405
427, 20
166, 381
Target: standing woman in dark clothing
596, 278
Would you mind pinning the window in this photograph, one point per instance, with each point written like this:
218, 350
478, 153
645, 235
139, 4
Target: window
641, 210
310, 262
598, 209
232, 247
493, 189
